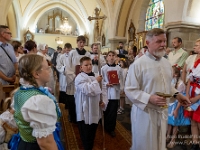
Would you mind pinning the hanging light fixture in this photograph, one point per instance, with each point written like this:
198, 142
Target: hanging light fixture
59, 41
65, 28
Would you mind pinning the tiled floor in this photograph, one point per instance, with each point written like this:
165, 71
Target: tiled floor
125, 117
125, 121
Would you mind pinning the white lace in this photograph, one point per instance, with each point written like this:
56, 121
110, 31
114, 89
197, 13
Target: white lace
39, 133
24, 83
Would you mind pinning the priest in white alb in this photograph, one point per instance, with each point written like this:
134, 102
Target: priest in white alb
151, 73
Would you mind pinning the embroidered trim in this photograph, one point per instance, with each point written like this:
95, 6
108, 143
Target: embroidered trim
39, 133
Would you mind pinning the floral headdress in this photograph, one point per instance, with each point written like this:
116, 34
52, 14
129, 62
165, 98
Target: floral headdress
123, 59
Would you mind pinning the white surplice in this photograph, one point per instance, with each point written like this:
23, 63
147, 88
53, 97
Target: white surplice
87, 98
73, 60
60, 66
102, 61
113, 91
145, 77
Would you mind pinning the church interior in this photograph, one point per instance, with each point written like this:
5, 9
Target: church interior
108, 22
126, 21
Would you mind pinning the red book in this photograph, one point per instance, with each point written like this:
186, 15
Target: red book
77, 69
113, 77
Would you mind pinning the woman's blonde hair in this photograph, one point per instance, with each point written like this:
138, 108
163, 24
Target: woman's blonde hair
27, 65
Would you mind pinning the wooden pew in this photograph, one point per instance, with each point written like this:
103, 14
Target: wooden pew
5, 90
9, 88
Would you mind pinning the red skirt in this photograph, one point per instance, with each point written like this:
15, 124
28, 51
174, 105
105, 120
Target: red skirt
194, 115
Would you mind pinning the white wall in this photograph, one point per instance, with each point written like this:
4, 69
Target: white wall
49, 39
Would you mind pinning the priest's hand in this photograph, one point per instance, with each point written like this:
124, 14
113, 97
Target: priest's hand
157, 100
183, 100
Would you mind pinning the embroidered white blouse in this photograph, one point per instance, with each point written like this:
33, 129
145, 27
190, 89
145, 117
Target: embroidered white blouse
40, 111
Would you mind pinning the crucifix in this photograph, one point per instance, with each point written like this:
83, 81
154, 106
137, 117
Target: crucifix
98, 40
97, 18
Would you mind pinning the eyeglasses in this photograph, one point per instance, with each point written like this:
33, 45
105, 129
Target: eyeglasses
8, 33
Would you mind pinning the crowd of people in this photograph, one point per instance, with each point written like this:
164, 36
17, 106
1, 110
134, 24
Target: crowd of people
92, 85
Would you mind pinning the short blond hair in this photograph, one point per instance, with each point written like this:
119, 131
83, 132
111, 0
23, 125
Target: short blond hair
27, 65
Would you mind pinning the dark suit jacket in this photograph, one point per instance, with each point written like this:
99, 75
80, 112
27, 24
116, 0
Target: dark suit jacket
124, 52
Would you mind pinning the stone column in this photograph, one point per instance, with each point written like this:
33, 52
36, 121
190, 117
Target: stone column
182, 20
188, 34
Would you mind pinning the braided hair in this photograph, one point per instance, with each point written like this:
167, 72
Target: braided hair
27, 65
178, 75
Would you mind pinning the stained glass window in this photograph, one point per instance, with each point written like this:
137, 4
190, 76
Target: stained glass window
154, 15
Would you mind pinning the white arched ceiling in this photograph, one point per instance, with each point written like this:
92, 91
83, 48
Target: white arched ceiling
112, 13
81, 22
28, 12
139, 17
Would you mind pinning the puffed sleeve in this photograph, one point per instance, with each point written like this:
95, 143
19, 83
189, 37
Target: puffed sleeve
40, 111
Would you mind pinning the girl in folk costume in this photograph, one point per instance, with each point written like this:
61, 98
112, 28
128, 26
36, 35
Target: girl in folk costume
175, 110
113, 91
36, 110
8, 126
193, 111
124, 67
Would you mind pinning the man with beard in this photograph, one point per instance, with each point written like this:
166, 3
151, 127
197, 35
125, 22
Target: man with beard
178, 56
121, 51
150, 74
94, 58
